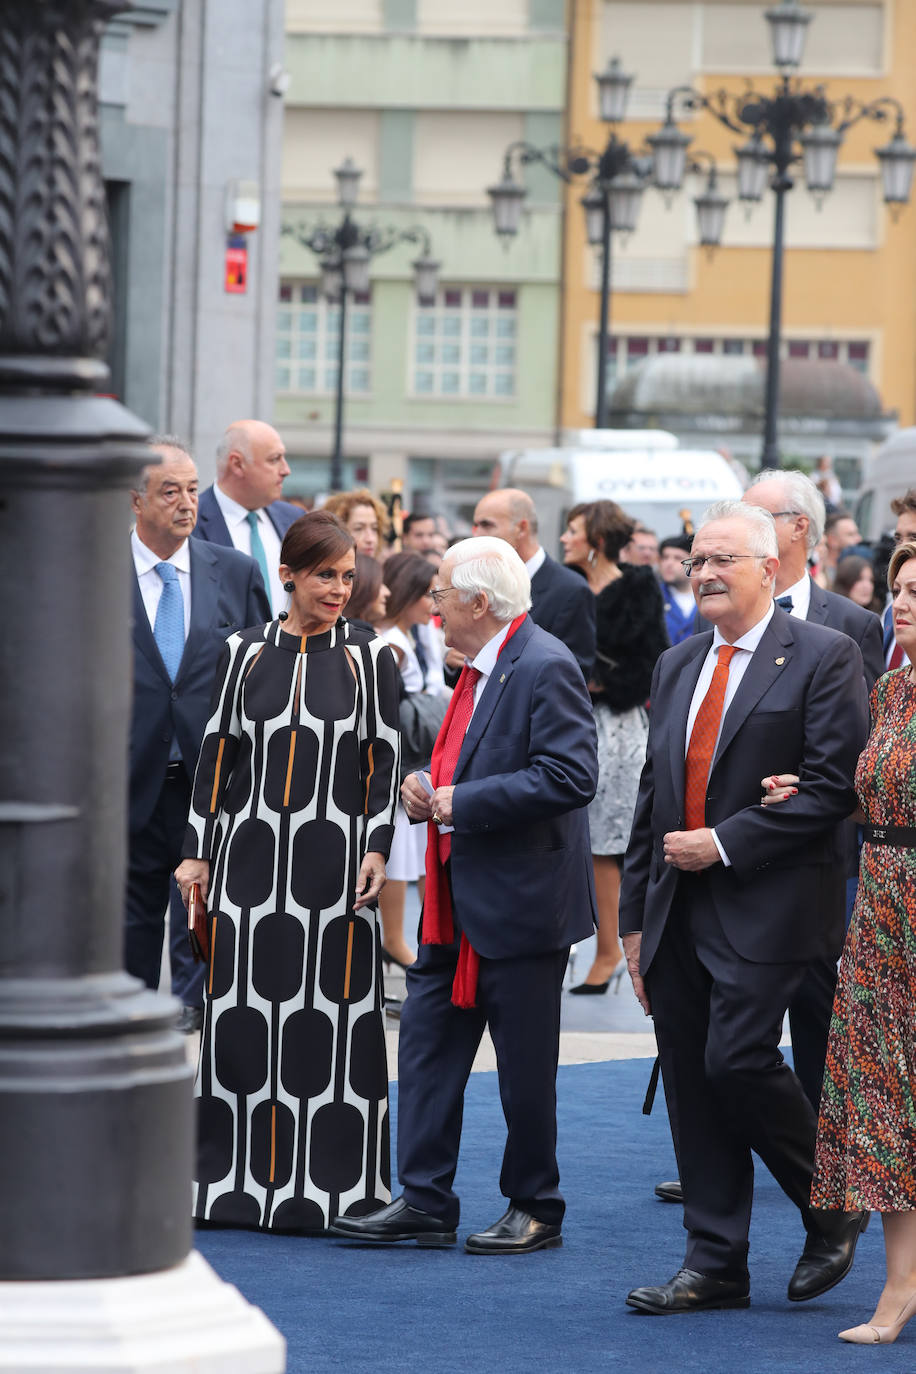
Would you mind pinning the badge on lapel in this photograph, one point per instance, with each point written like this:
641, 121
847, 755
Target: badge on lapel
502, 677
779, 662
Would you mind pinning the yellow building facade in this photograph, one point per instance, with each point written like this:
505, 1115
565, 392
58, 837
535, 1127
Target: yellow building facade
850, 268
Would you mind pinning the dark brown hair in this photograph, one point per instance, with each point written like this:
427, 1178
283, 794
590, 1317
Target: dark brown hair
905, 502
407, 577
315, 539
607, 527
365, 588
848, 572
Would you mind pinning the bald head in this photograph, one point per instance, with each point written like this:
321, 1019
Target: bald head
251, 463
509, 514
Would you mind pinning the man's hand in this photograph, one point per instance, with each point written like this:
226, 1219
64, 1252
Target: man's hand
691, 850
631, 945
442, 806
371, 880
417, 801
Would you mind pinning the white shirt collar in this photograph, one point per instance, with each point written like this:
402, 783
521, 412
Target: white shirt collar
233, 513
800, 593
535, 562
751, 638
145, 560
485, 660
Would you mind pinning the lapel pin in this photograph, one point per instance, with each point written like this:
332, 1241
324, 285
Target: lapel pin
780, 662
502, 677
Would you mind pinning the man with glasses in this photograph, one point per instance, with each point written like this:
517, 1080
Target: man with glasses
719, 903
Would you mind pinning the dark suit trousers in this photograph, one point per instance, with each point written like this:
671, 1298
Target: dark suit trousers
809, 1020
153, 853
519, 999
718, 1020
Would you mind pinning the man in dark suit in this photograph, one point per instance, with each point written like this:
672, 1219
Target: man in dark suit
509, 887
561, 600
188, 597
720, 899
243, 510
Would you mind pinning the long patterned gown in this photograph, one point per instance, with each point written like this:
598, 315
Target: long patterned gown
297, 779
866, 1143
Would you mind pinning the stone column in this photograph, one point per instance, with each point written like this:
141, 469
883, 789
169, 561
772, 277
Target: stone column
96, 1122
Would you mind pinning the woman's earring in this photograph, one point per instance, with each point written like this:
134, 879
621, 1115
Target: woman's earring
591, 555
289, 587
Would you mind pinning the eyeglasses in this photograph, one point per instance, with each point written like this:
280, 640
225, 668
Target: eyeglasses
784, 513
437, 593
719, 562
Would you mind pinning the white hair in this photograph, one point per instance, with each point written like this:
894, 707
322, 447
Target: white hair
762, 541
492, 566
801, 497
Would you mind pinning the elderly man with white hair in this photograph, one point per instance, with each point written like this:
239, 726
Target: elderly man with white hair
508, 889
720, 911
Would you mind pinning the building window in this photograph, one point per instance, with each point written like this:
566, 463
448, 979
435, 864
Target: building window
465, 344
626, 351
308, 342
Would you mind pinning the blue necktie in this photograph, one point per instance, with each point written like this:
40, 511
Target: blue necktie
258, 552
785, 602
168, 630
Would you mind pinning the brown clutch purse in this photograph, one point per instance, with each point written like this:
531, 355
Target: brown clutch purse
198, 933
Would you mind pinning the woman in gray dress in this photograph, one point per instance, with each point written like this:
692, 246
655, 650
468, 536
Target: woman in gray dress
630, 635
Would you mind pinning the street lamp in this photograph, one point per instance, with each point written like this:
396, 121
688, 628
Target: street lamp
344, 253
790, 126
617, 178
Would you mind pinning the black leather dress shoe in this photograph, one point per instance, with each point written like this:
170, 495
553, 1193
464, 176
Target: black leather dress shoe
190, 1019
689, 1291
828, 1255
397, 1221
670, 1192
514, 1234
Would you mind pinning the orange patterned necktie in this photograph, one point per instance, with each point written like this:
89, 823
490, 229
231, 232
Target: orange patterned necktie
703, 742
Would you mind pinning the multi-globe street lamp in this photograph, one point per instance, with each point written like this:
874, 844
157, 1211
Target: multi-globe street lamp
344, 251
793, 125
617, 177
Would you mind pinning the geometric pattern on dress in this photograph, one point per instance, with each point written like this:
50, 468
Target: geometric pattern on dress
297, 779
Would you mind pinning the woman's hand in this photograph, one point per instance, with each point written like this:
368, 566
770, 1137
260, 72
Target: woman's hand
778, 787
191, 871
371, 880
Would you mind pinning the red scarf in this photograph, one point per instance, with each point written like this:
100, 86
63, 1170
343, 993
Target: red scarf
438, 926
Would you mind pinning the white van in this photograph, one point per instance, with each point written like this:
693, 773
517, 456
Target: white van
889, 473
661, 486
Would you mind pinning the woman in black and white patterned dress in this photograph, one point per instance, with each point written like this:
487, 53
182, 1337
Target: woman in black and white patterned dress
291, 821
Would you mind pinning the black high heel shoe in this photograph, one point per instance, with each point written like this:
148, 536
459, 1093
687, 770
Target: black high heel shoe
598, 989
389, 959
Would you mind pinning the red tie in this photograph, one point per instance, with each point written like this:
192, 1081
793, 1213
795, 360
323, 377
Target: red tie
703, 743
451, 747
896, 657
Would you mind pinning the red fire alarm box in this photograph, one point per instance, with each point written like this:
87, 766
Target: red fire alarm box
236, 270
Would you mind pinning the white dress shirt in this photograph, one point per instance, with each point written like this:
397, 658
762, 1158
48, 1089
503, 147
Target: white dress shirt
236, 518
535, 562
151, 583
746, 645
485, 661
800, 593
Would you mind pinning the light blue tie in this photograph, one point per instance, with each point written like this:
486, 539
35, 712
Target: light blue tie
258, 551
168, 630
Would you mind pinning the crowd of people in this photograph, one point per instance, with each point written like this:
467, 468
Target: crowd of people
701, 745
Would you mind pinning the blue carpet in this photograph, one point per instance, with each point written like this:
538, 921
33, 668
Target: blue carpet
344, 1307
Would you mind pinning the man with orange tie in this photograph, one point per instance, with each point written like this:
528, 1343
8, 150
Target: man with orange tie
720, 898
509, 888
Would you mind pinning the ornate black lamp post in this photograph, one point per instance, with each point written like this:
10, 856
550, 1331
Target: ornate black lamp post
344, 251
95, 1092
617, 178
790, 126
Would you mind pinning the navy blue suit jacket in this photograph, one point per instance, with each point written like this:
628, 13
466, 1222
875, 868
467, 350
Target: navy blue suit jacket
521, 865
212, 527
801, 708
563, 604
227, 594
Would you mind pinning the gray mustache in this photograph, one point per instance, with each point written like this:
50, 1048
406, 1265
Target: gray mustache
709, 588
